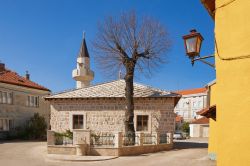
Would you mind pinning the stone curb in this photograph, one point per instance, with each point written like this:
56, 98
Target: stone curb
75, 158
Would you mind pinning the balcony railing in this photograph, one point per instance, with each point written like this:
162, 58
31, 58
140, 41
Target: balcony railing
129, 140
164, 139
116, 140
78, 73
149, 139
102, 140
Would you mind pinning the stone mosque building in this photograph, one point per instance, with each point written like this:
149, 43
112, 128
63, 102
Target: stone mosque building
101, 107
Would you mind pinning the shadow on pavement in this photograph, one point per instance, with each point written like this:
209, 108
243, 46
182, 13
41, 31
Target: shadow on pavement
20, 141
189, 145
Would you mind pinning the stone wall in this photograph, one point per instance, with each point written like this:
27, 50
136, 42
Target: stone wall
83, 146
137, 150
107, 115
18, 110
123, 151
57, 149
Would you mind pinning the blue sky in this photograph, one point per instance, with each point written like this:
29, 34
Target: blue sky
44, 37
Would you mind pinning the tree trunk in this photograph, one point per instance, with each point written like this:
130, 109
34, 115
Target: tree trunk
129, 93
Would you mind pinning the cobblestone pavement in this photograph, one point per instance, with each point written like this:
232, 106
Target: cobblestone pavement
186, 153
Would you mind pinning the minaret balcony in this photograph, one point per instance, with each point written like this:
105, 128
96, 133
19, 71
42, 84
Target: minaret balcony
83, 60
82, 75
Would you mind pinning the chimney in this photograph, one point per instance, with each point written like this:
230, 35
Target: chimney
2, 67
27, 75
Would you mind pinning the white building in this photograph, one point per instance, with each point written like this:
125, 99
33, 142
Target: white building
20, 99
199, 127
192, 101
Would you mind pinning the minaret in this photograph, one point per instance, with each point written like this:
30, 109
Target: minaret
82, 74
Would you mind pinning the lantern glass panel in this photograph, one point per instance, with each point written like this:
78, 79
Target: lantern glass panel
198, 45
191, 45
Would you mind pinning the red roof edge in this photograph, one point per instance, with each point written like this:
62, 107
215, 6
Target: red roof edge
192, 91
209, 112
10, 77
178, 118
13, 83
202, 120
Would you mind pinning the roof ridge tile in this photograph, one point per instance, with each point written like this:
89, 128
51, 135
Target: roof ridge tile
113, 88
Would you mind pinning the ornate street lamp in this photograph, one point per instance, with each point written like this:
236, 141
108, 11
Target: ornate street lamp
192, 44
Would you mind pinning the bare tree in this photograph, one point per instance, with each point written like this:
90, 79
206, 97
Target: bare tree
134, 45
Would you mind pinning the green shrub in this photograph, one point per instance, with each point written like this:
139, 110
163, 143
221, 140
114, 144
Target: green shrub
36, 127
59, 137
69, 134
185, 127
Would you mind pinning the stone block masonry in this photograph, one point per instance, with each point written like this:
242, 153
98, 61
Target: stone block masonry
82, 146
107, 114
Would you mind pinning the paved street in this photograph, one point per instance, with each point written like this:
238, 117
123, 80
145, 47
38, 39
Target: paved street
186, 153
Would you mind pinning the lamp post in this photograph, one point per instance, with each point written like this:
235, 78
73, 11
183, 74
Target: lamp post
192, 44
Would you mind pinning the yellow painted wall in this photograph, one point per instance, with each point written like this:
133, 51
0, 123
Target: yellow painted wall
213, 136
232, 33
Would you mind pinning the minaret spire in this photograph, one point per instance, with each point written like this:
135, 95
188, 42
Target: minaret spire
83, 50
83, 34
82, 74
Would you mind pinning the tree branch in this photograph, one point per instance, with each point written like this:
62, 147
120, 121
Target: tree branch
125, 55
143, 41
143, 55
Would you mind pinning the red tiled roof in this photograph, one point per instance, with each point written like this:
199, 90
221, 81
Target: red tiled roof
202, 120
10, 77
204, 110
209, 112
210, 6
191, 91
178, 118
